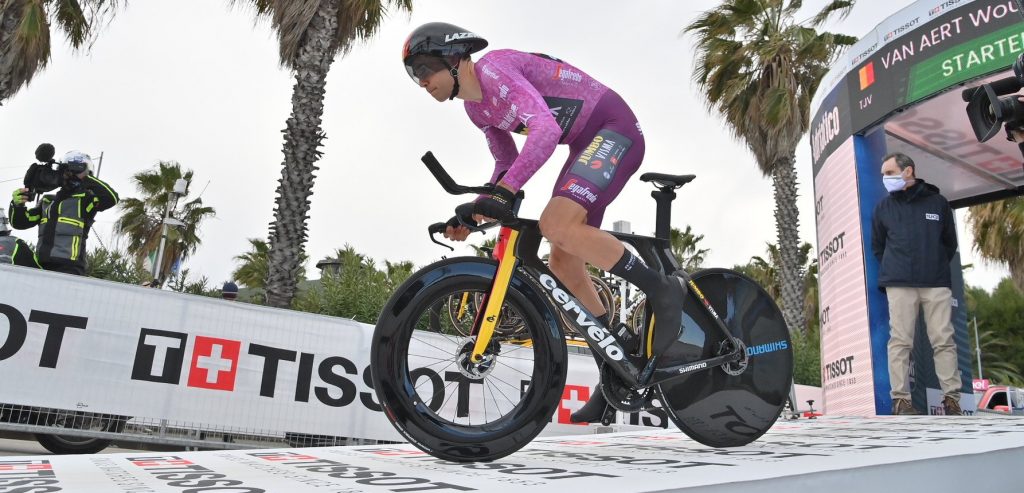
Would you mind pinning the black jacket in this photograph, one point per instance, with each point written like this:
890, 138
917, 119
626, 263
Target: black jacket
914, 238
64, 221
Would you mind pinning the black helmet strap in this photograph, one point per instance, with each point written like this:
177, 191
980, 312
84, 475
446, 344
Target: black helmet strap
455, 76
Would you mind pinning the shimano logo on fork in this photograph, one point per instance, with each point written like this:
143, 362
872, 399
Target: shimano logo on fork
600, 336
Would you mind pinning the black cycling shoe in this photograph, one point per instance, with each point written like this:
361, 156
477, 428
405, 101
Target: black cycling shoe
594, 410
668, 313
668, 320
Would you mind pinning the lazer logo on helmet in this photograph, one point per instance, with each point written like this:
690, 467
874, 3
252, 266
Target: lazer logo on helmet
590, 328
448, 38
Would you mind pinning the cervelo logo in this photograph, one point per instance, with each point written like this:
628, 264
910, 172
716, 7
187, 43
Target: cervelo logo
579, 191
448, 38
603, 339
564, 74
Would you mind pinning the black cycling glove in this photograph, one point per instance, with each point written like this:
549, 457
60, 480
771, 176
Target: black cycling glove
497, 205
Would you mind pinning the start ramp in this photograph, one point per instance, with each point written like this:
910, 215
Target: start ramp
921, 453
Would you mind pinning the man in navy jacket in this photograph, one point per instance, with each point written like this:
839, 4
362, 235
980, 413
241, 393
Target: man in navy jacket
914, 239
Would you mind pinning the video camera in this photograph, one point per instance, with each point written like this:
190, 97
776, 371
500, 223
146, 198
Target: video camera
987, 111
47, 174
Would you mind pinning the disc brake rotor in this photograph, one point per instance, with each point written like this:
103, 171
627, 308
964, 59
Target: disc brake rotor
477, 370
739, 366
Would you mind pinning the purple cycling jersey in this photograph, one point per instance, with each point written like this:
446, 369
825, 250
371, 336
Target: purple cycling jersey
541, 97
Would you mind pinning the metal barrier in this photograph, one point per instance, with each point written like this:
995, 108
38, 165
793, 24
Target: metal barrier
189, 435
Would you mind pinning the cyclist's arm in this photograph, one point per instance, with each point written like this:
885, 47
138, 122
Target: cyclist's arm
543, 132
503, 148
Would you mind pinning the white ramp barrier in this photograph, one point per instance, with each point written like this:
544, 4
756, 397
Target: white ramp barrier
203, 371
835, 455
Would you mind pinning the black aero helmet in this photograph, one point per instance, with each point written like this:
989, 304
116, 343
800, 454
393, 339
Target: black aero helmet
438, 45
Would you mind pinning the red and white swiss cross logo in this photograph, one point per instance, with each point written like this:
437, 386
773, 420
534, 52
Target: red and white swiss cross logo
214, 363
573, 398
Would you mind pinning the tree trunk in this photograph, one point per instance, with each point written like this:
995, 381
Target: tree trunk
302, 139
787, 223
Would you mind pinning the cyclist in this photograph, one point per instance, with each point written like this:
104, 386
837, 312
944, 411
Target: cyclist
551, 102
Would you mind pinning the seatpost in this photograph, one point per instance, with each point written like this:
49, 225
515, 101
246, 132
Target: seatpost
663, 220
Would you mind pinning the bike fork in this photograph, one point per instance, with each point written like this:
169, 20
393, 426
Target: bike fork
487, 318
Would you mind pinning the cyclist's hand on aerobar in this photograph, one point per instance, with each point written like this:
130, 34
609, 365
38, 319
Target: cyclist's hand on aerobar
497, 206
455, 231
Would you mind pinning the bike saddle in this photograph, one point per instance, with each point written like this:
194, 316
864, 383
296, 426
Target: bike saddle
664, 180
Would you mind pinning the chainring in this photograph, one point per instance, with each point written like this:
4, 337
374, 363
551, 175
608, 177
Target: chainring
621, 395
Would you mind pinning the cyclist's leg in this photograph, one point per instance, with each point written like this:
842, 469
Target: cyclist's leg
572, 271
601, 160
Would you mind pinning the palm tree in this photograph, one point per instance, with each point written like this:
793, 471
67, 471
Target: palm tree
685, 248
142, 218
486, 248
765, 271
311, 33
758, 68
998, 229
25, 34
252, 273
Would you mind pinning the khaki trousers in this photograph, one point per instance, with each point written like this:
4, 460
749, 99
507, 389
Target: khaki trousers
937, 305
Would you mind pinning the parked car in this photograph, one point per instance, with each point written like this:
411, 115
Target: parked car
1002, 399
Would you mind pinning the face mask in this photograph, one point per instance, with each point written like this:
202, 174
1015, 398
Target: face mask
894, 183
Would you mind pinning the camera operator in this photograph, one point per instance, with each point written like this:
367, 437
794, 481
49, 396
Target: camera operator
13, 250
65, 218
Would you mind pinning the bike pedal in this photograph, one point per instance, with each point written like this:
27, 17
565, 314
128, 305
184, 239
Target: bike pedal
609, 416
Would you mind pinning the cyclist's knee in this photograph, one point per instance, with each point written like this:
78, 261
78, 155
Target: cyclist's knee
564, 264
560, 219
559, 233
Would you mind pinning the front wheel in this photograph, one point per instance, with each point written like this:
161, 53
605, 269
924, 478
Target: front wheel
447, 405
733, 404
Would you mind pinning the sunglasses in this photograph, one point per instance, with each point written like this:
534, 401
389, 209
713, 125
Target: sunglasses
420, 68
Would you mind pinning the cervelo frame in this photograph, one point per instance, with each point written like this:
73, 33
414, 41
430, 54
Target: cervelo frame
518, 245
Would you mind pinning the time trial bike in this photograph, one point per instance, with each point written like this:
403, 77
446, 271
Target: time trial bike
484, 394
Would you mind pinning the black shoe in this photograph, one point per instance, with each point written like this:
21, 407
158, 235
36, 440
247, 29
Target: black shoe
593, 411
668, 313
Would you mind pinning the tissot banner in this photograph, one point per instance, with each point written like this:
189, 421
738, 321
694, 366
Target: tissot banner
846, 372
76, 343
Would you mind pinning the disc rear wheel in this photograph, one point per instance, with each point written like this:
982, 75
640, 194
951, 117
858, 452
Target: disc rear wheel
734, 404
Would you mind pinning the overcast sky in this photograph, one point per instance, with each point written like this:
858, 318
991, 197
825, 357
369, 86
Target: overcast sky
199, 83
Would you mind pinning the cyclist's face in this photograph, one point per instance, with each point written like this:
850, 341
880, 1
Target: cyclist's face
431, 74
